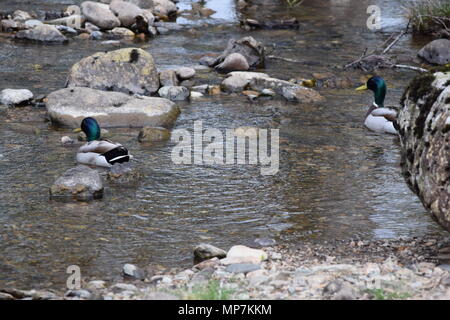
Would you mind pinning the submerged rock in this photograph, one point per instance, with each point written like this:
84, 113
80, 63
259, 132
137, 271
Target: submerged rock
68, 107
124, 173
424, 130
15, 96
152, 134
81, 182
99, 14
43, 33
130, 70
436, 52
205, 251
174, 93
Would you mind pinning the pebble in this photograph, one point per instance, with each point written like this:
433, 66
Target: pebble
67, 140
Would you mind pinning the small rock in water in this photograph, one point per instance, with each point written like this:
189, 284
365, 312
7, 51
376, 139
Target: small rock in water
91, 27
96, 35
67, 140
130, 270
185, 73
66, 29
81, 182
99, 14
202, 88
43, 33
196, 95
205, 251
168, 78
122, 32
242, 267
234, 62
15, 96
174, 93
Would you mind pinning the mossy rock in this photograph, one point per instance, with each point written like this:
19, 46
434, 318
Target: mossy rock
130, 70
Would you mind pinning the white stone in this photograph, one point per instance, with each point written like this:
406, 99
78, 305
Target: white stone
15, 96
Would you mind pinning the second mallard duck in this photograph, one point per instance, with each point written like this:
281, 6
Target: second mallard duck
378, 118
102, 153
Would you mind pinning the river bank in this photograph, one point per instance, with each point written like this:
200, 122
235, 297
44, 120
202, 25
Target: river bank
407, 268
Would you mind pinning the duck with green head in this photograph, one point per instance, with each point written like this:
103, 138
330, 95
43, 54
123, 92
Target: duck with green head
99, 152
378, 117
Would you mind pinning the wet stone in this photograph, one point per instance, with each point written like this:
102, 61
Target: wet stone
131, 271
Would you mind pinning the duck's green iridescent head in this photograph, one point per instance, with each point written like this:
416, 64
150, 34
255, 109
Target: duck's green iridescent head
378, 86
91, 128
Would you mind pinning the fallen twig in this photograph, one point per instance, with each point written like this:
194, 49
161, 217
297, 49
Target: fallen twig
403, 66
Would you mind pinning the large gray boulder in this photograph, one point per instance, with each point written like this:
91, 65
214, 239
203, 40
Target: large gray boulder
67, 107
99, 14
424, 129
436, 52
81, 182
129, 70
43, 33
125, 11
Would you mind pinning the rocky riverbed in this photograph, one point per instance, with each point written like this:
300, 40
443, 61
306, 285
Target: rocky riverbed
407, 268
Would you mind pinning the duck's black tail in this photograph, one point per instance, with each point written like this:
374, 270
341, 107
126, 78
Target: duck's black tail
117, 155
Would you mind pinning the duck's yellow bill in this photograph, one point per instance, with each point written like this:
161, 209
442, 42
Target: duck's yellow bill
363, 87
77, 130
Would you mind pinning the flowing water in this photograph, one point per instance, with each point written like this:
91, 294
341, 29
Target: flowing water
336, 180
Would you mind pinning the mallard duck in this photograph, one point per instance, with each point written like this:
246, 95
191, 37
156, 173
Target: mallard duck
102, 153
378, 118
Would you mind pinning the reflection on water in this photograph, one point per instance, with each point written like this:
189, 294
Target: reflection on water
336, 179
